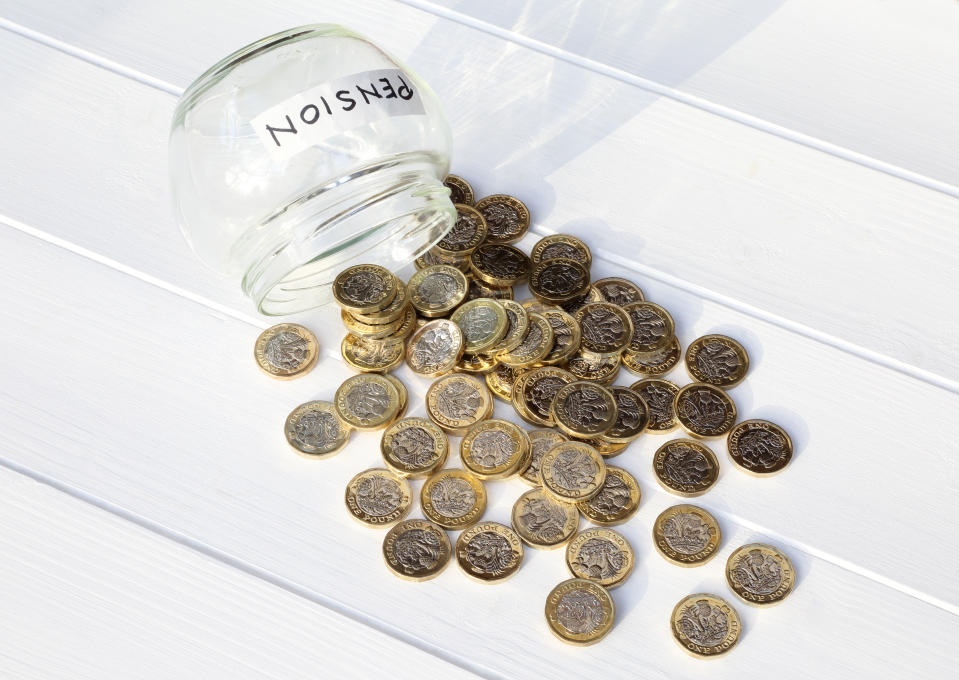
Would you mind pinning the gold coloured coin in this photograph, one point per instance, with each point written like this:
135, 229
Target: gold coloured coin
454, 499
517, 323
717, 360
760, 574
619, 291
507, 218
286, 351
395, 310
315, 430
417, 550
479, 289
558, 280
685, 467
543, 522
583, 409
541, 441
437, 290
705, 626
704, 411
589, 366
460, 189
499, 265
653, 363
378, 497
467, 233
603, 556
371, 356
404, 395
606, 449
367, 401
580, 612
483, 322
475, 363
533, 393
534, 306
489, 552
592, 295
407, 325
561, 246
686, 535
566, 336
434, 348
617, 500
364, 288
432, 257
500, 381
370, 331
653, 327
659, 395
457, 402
495, 449
759, 447
572, 472
631, 416
414, 447
605, 327
536, 344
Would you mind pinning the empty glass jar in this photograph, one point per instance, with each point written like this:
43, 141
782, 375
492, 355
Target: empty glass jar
303, 153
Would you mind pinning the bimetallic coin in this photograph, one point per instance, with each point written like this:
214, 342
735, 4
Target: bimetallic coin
433, 257
543, 522
617, 500
605, 327
541, 441
435, 348
378, 331
653, 327
417, 550
404, 395
558, 280
378, 497
619, 291
533, 393
686, 535
583, 409
475, 363
561, 246
479, 289
536, 344
467, 233
705, 625
457, 402
367, 401
566, 336
364, 288
534, 306
437, 290
517, 323
507, 218
704, 410
315, 430
659, 395
572, 472
717, 360
407, 325
286, 351
489, 552
653, 363
414, 447
589, 366
685, 467
580, 612
759, 447
396, 309
454, 499
460, 189
371, 356
603, 556
592, 295
495, 449
631, 416
760, 574
606, 449
500, 381
499, 265
483, 322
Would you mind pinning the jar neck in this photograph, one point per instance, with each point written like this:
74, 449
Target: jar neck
388, 213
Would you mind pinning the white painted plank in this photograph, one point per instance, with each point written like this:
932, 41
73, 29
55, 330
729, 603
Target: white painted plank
874, 78
87, 595
152, 404
826, 247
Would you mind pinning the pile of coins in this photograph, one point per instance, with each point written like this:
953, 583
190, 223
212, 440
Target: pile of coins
554, 357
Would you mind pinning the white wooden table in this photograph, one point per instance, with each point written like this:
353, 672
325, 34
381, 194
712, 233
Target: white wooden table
781, 170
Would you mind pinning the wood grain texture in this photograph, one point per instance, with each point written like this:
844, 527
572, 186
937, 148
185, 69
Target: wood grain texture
828, 248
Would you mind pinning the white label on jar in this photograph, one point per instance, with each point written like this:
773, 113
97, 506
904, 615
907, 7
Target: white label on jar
312, 116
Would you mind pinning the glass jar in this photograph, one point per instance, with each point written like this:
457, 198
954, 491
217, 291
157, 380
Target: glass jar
303, 153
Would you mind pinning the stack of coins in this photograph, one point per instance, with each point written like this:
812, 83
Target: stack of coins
554, 357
